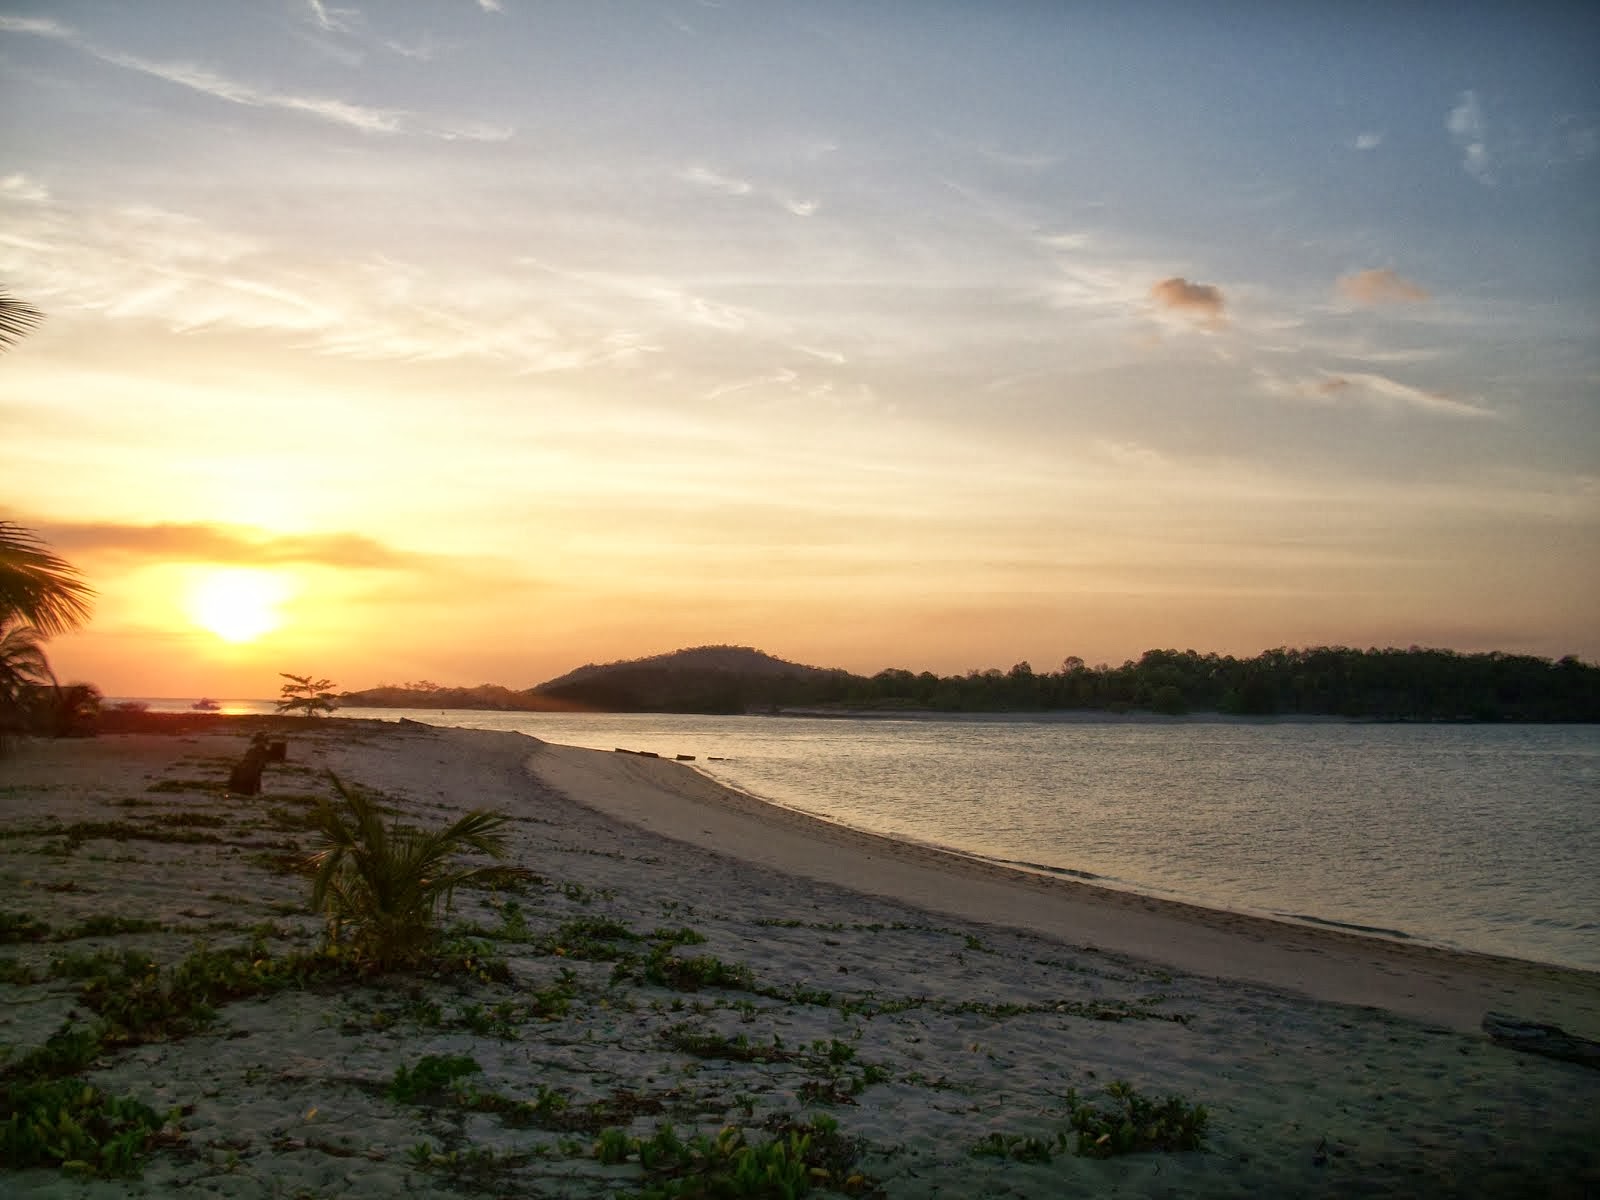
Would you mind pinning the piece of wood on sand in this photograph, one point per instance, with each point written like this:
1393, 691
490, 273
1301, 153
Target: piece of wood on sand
245, 779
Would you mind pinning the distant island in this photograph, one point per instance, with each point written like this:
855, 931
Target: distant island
1414, 684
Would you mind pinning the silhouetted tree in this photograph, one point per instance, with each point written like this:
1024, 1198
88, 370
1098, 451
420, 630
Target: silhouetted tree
306, 695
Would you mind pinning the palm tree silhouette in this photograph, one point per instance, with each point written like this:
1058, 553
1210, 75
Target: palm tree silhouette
41, 594
25, 677
38, 586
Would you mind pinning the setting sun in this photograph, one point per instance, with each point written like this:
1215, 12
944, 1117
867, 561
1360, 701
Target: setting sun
238, 605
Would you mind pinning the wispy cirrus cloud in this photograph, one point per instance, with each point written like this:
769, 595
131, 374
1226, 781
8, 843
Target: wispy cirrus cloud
661, 295
717, 182
728, 185
143, 264
1374, 390
233, 544
364, 118
1417, 398
1469, 130
332, 20
21, 187
1380, 285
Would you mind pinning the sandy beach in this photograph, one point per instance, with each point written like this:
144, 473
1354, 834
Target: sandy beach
943, 1011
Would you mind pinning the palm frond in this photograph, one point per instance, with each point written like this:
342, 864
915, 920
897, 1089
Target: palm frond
386, 884
16, 320
39, 586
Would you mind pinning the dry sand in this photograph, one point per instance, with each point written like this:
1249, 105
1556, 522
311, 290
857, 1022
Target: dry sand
1330, 1065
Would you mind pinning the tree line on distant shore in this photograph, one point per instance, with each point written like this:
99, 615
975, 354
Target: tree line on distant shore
1391, 684
1414, 684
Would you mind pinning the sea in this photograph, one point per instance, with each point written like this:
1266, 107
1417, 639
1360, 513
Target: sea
1475, 837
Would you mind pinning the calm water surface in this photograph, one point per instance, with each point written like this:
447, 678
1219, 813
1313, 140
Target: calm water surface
1484, 837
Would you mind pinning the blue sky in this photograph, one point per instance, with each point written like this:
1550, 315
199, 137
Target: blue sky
937, 335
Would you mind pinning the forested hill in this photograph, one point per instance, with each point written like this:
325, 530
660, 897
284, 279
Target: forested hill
1414, 684
710, 679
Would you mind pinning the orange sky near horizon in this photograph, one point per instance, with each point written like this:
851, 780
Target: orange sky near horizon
488, 340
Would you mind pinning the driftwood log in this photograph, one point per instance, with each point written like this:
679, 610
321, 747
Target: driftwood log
1533, 1038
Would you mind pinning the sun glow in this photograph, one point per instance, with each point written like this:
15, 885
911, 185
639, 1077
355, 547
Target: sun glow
238, 605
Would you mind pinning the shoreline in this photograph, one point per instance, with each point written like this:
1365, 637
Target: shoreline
947, 1049
1100, 883
1451, 987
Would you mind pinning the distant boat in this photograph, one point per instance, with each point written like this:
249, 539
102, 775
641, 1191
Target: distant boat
206, 704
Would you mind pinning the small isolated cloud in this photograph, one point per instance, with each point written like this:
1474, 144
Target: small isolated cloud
1380, 285
491, 6
1368, 141
1198, 302
1470, 132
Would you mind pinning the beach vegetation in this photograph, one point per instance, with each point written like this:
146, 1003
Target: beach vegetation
50, 1117
433, 1076
591, 939
105, 925
579, 894
1128, 1123
499, 1020
794, 1161
665, 969
16, 972
68, 1050
25, 678
69, 1123
305, 695
703, 1044
1018, 1147
680, 936
451, 956
124, 831
22, 927
380, 887
513, 921
555, 1000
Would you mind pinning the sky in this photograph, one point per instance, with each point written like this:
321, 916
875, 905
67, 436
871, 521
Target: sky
473, 340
